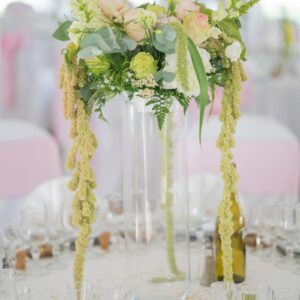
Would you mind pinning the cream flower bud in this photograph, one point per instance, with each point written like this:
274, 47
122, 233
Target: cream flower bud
233, 51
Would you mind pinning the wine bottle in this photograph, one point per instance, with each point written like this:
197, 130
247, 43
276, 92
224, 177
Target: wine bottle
237, 242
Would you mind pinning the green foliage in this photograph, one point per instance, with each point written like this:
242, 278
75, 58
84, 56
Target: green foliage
245, 8
89, 52
230, 28
107, 41
161, 75
161, 107
202, 79
61, 33
165, 39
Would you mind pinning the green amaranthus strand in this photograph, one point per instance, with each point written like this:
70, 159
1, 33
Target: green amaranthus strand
230, 113
168, 199
182, 56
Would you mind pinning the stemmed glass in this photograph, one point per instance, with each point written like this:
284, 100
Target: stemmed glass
224, 291
8, 289
255, 291
288, 232
286, 294
56, 232
86, 292
272, 230
33, 230
12, 244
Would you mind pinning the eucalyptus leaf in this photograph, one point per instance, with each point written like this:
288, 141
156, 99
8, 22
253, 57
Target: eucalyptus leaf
165, 39
86, 93
61, 33
89, 52
165, 76
104, 39
127, 43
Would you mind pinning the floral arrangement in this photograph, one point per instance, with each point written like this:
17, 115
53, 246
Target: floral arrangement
163, 54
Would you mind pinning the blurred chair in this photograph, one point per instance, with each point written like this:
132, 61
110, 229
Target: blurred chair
267, 156
28, 156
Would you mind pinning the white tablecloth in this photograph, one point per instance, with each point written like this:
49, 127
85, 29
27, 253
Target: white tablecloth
109, 272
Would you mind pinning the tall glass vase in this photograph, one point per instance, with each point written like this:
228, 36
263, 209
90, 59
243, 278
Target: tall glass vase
156, 203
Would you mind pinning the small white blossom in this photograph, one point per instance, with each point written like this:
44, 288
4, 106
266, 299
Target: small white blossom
233, 51
215, 32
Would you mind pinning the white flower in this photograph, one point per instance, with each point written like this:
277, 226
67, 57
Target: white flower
76, 31
219, 14
206, 60
171, 62
147, 19
194, 89
233, 51
215, 32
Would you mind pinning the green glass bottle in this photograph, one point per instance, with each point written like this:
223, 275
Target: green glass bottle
238, 245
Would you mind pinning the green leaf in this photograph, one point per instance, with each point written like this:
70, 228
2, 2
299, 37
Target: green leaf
103, 39
245, 8
144, 5
61, 33
127, 43
89, 52
86, 93
165, 39
229, 27
202, 80
165, 76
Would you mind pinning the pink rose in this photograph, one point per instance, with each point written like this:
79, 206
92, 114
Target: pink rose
184, 7
134, 30
112, 8
197, 27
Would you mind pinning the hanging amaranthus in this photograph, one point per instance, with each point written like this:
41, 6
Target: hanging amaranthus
168, 201
78, 160
230, 113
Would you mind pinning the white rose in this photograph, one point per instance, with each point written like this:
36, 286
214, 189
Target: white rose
215, 32
233, 51
205, 59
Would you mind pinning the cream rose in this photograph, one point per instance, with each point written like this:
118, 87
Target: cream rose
112, 8
132, 28
184, 7
197, 27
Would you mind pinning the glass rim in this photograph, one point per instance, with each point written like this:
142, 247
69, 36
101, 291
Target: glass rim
10, 272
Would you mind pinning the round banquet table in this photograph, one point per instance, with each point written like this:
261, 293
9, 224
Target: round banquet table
108, 272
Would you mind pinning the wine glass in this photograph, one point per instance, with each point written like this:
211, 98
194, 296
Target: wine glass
86, 292
24, 293
12, 244
8, 289
288, 232
286, 294
253, 291
56, 232
34, 232
272, 230
224, 291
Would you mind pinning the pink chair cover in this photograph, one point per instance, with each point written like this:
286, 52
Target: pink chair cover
26, 163
266, 165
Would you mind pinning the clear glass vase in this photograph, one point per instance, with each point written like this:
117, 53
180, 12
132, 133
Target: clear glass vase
156, 203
